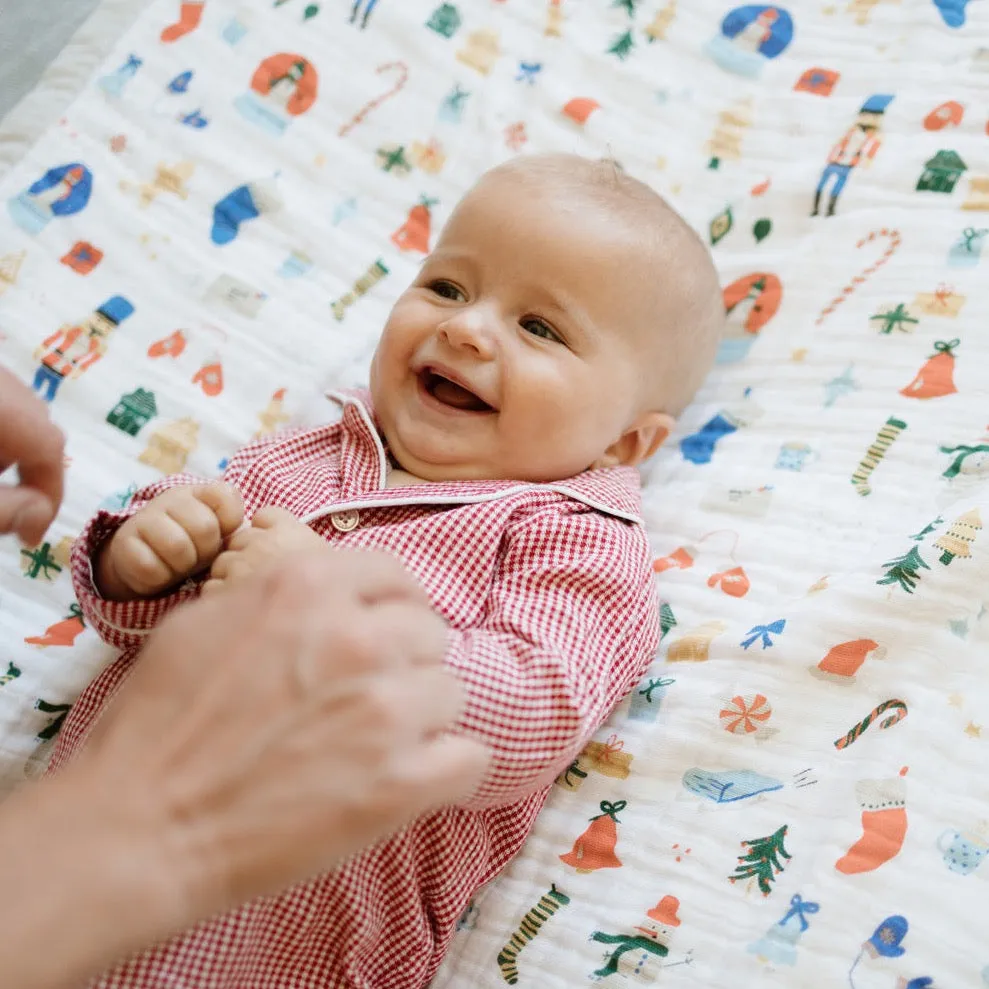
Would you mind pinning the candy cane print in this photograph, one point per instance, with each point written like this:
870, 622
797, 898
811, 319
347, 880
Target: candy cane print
378, 100
894, 243
897, 706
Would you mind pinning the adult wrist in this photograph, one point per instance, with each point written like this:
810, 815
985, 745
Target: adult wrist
113, 892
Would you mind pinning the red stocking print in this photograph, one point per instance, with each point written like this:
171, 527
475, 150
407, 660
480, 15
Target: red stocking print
190, 15
595, 848
884, 824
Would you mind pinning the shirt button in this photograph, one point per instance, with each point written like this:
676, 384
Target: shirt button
345, 521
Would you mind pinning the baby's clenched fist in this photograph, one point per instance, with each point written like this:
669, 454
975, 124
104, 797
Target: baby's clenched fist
180, 533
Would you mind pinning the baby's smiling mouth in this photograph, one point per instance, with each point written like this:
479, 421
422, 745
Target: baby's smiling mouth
451, 393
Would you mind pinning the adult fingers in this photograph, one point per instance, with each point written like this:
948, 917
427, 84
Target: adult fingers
443, 770
408, 632
31, 441
271, 516
225, 502
229, 567
375, 577
24, 512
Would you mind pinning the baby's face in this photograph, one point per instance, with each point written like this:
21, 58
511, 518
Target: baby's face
517, 351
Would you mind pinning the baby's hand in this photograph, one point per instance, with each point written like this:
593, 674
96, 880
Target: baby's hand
180, 533
274, 533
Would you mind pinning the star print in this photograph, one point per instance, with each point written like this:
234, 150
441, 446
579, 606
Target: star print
973, 729
798, 355
839, 386
955, 700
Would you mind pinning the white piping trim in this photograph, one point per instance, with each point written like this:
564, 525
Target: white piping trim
351, 506
345, 399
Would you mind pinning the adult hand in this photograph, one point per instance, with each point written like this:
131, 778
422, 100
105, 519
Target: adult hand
270, 730
30, 441
266, 732
272, 534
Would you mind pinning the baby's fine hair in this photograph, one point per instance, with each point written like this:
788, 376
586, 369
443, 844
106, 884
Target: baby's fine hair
690, 311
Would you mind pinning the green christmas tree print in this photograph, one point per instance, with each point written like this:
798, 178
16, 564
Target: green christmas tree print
918, 537
904, 570
762, 860
622, 45
627, 5
667, 620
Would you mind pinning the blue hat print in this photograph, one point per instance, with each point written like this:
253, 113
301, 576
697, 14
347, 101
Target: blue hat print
887, 936
877, 103
116, 309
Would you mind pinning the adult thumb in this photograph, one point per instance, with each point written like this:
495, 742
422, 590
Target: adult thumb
26, 513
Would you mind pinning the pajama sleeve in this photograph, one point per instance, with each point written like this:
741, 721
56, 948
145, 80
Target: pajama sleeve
125, 624
571, 622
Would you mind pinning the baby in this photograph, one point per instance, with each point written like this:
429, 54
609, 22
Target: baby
565, 318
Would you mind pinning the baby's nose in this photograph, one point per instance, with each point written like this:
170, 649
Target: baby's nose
471, 329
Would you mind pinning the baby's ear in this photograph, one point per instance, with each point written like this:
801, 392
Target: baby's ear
639, 442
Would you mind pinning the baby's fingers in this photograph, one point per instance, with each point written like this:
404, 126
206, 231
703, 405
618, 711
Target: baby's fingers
140, 568
224, 501
171, 542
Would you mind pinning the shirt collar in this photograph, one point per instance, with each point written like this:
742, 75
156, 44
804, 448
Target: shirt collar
610, 490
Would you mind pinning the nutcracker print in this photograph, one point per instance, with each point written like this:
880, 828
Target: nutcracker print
72, 350
858, 146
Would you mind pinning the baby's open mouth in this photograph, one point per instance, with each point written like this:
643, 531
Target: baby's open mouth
450, 393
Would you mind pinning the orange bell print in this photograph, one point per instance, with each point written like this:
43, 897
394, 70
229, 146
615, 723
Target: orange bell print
680, 559
413, 235
62, 633
734, 582
170, 346
210, 378
937, 376
595, 848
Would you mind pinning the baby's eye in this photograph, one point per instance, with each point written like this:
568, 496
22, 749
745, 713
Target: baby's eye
447, 290
540, 329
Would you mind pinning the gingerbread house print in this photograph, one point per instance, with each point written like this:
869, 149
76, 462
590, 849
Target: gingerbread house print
133, 412
942, 172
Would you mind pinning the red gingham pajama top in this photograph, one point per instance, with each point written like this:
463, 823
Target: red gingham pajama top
549, 595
